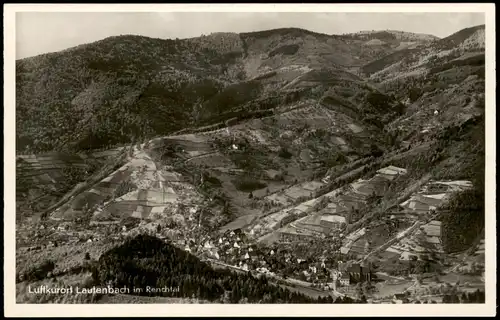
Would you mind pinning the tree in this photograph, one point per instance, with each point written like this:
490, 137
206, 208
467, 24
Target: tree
363, 299
359, 289
463, 298
87, 256
284, 153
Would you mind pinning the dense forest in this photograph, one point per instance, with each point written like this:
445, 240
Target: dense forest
105, 93
148, 261
111, 89
463, 217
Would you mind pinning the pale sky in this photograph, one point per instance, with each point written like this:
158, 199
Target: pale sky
42, 32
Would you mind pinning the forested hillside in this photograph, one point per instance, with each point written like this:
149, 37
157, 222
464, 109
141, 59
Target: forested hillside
105, 93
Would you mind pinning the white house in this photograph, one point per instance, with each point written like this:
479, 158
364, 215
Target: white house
399, 298
216, 255
335, 274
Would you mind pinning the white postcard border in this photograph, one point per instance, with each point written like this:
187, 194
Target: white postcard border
54, 310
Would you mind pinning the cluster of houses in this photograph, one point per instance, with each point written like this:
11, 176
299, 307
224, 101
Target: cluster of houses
351, 273
233, 248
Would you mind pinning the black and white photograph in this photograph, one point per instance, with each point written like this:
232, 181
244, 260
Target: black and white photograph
254, 157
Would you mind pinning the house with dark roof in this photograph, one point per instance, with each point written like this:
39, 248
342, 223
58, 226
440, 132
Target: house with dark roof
359, 273
355, 272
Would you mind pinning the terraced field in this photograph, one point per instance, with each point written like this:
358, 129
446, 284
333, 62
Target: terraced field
426, 240
46, 180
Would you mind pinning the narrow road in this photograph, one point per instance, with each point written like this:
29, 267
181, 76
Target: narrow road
201, 156
389, 276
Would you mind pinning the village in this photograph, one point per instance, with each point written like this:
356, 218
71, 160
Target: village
306, 244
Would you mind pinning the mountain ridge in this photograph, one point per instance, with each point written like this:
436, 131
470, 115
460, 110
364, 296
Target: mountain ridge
267, 31
227, 65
